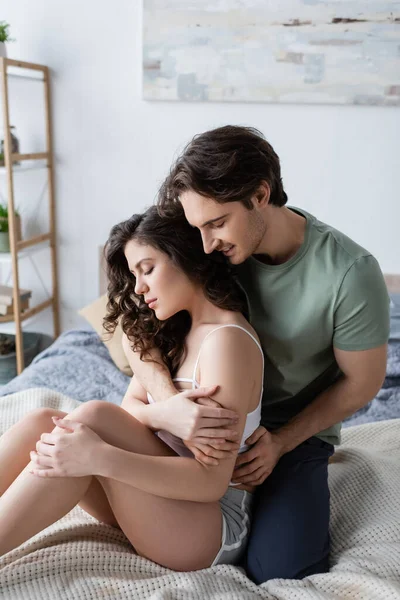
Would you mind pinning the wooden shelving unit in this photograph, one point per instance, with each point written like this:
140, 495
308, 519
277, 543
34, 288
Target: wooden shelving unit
14, 68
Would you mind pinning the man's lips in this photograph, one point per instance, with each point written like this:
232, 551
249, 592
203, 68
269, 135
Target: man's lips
227, 250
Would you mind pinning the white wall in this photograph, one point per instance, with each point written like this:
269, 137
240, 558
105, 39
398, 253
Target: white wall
113, 149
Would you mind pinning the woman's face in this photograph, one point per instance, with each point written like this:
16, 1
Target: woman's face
164, 287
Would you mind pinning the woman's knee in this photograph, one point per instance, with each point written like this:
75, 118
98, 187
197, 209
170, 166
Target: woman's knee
91, 412
43, 415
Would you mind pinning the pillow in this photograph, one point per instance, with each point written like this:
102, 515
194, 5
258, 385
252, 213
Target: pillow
94, 314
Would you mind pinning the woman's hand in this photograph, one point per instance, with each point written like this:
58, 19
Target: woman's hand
212, 454
68, 453
223, 442
191, 415
257, 463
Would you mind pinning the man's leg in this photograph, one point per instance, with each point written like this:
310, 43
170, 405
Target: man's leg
290, 527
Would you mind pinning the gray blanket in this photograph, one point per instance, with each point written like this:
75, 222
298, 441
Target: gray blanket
78, 365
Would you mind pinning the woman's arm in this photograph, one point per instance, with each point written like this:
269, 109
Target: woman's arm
178, 415
153, 375
231, 356
170, 477
135, 402
181, 415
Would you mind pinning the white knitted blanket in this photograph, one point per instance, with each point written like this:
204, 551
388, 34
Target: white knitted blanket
79, 559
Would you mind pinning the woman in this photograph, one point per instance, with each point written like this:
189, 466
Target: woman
175, 510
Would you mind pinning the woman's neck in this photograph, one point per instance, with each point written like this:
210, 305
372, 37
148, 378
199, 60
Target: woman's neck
202, 311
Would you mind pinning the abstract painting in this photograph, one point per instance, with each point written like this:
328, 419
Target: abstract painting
286, 51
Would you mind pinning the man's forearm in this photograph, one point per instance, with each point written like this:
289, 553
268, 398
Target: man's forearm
174, 477
336, 403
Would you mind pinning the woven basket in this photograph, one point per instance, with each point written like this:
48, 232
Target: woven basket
8, 362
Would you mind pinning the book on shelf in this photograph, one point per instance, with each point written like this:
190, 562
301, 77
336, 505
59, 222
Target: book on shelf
6, 300
6, 295
9, 310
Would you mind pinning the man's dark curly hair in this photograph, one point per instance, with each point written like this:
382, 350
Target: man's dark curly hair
183, 245
227, 164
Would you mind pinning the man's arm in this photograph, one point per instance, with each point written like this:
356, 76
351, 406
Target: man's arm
363, 374
360, 334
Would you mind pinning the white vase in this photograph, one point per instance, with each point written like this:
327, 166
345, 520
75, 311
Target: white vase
3, 50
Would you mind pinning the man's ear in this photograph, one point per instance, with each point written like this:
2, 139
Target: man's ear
262, 195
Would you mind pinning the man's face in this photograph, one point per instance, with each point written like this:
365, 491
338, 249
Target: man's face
229, 228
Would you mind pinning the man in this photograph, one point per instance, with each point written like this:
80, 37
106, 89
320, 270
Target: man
319, 304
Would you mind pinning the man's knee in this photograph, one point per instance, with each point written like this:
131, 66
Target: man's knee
290, 529
263, 565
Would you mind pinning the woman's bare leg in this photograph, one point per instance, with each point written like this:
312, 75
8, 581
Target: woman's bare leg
15, 446
31, 504
178, 534
19, 440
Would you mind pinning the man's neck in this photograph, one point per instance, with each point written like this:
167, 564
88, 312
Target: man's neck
283, 238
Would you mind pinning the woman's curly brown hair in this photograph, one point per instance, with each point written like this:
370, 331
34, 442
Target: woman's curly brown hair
183, 245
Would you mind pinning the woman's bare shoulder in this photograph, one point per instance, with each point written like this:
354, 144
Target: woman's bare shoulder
231, 359
230, 349
234, 319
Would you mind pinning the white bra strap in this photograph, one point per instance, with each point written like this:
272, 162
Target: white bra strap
216, 329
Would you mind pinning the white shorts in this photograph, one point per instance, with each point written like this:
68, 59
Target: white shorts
236, 508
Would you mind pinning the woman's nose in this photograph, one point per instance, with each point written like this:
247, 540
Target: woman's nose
140, 286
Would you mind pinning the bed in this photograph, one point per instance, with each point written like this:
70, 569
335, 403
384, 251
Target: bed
79, 558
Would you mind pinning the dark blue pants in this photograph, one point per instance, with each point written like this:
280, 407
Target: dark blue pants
290, 527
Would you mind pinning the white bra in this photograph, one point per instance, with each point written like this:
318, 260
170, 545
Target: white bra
252, 420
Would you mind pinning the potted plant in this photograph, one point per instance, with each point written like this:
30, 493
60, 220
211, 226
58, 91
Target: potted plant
4, 37
4, 232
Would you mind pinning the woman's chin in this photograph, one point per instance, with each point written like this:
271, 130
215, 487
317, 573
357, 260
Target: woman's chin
163, 315
160, 314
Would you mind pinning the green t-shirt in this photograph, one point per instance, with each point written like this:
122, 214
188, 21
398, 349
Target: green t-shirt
330, 293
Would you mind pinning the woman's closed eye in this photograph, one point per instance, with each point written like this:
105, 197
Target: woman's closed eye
149, 271
219, 225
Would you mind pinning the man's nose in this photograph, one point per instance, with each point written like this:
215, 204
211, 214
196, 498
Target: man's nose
209, 243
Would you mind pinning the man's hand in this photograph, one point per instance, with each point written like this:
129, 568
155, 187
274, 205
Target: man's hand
257, 463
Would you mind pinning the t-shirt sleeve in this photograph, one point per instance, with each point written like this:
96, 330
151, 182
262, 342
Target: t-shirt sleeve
361, 319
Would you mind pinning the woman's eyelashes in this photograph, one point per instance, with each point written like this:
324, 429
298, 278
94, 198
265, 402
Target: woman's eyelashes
220, 225
144, 272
